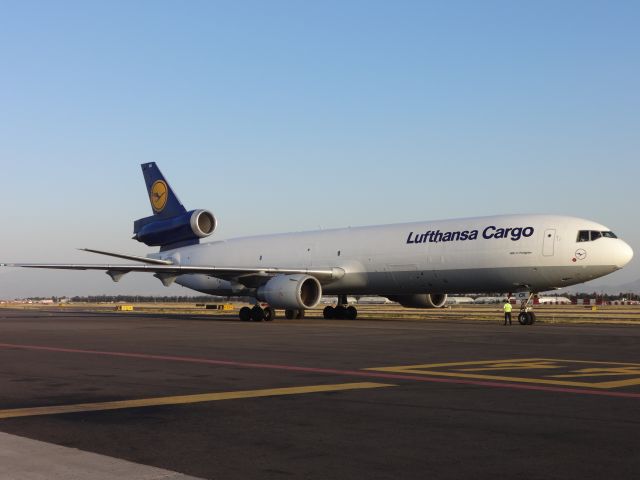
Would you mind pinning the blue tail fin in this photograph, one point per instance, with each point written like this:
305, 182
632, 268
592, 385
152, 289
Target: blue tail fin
164, 201
170, 225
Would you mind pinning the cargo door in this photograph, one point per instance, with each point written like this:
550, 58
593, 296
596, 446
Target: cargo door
548, 244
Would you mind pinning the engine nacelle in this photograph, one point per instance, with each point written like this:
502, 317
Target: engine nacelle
297, 291
191, 225
421, 300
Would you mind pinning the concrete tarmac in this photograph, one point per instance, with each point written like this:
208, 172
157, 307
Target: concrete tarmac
317, 399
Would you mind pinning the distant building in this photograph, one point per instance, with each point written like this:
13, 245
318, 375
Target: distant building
373, 300
485, 300
459, 300
331, 300
553, 301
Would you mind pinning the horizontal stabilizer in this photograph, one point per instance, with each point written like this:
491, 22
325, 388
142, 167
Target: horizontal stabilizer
135, 258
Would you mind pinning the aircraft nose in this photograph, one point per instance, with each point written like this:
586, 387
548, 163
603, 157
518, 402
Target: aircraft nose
623, 254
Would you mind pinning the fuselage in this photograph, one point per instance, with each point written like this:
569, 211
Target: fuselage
486, 254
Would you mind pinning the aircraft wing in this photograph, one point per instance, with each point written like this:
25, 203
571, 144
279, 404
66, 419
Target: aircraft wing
125, 256
248, 276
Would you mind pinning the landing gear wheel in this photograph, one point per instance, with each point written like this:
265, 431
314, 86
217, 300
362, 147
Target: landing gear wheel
527, 318
526, 315
257, 313
340, 312
269, 314
328, 313
523, 318
290, 314
245, 314
351, 313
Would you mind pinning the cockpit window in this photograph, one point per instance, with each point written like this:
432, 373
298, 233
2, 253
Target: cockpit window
591, 235
583, 236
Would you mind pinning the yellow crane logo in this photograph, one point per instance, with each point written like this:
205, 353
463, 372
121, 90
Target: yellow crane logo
159, 193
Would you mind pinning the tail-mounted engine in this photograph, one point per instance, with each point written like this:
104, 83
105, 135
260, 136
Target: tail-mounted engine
184, 229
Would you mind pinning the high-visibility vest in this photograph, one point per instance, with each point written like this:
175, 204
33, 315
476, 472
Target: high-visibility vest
507, 308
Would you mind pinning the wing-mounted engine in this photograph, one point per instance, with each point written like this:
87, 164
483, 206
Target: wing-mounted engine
291, 292
184, 229
421, 300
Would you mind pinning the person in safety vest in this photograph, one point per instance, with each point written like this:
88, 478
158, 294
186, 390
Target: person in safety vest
507, 311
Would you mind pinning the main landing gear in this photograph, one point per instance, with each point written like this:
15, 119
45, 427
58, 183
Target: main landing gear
257, 314
342, 311
526, 315
294, 313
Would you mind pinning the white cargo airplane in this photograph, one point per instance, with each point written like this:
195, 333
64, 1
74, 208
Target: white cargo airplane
415, 264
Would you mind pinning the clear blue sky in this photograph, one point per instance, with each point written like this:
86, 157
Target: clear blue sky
288, 115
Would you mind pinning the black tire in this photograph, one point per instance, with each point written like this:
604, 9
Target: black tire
245, 314
352, 313
300, 314
340, 312
269, 314
532, 318
523, 318
257, 313
290, 314
328, 313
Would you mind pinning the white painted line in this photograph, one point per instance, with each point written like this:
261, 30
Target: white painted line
26, 459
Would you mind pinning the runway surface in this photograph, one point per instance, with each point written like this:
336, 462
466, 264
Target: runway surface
218, 398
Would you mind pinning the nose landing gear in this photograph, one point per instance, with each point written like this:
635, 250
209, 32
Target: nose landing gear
526, 315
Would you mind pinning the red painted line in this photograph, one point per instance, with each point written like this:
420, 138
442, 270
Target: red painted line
329, 371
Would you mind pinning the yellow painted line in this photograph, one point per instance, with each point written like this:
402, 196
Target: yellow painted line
508, 360
509, 364
184, 399
602, 372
